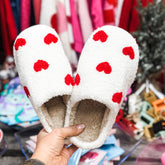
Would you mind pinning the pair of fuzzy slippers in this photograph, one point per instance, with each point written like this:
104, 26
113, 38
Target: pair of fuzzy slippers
106, 70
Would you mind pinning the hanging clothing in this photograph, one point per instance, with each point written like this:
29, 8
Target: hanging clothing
85, 19
32, 15
125, 14
63, 32
8, 26
134, 21
48, 15
118, 11
54, 14
70, 33
96, 9
15, 4
129, 15
37, 9
25, 14
110, 12
78, 40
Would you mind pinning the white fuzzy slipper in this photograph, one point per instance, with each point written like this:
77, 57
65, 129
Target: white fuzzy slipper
106, 70
45, 73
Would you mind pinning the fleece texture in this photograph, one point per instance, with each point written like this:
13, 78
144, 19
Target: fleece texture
106, 70
44, 72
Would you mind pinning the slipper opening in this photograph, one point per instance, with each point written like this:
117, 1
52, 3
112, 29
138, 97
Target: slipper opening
91, 113
54, 111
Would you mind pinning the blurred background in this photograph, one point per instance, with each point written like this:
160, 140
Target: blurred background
138, 136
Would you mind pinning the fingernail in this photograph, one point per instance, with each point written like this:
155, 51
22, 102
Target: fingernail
80, 127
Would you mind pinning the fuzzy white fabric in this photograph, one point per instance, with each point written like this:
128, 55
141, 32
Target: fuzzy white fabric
100, 87
48, 9
45, 84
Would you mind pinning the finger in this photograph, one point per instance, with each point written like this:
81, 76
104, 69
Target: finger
72, 149
66, 141
42, 133
69, 131
67, 152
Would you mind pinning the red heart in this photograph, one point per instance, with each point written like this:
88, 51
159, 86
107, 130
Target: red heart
26, 91
77, 79
128, 51
49, 38
54, 22
69, 19
19, 42
69, 80
100, 35
104, 66
39, 65
117, 97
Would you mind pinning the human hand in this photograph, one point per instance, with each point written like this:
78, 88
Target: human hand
50, 147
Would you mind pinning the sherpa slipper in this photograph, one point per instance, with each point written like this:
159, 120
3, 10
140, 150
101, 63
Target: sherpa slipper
106, 70
45, 73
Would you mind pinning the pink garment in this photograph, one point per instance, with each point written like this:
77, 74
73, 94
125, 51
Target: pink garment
70, 35
61, 17
25, 14
78, 40
63, 32
37, 8
85, 19
110, 12
97, 13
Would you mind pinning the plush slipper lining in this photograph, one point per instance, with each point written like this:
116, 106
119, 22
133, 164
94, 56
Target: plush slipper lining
54, 111
91, 113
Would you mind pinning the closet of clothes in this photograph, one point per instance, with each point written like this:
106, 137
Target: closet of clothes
74, 20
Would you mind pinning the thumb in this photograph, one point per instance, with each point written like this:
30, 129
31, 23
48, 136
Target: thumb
69, 131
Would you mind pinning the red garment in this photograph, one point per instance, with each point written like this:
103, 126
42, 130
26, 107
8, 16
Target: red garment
125, 14
110, 12
37, 9
25, 14
129, 15
8, 26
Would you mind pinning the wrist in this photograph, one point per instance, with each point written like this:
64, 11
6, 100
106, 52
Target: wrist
33, 162
40, 157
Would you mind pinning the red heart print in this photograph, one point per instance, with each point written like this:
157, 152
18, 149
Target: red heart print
100, 35
54, 22
128, 51
69, 80
77, 79
26, 91
104, 66
49, 38
19, 42
69, 19
39, 65
117, 97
